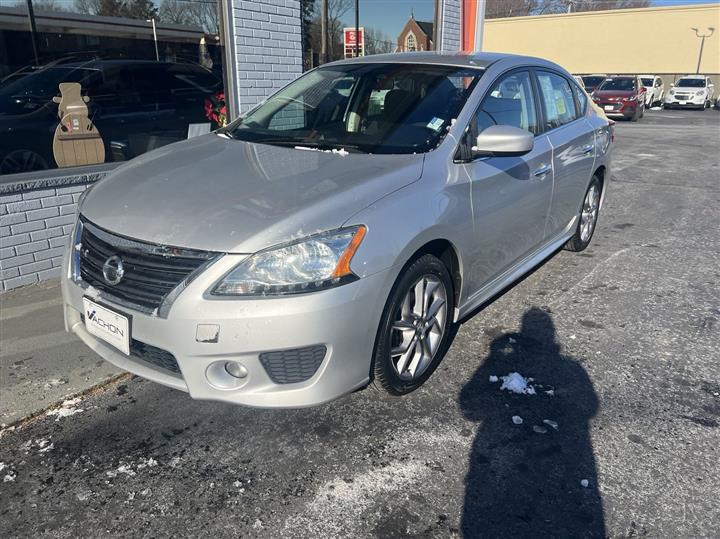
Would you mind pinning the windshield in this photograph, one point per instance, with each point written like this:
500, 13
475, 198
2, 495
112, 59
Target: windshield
622, 85
371, 108
691, 83
592, 81
37, 88
647, 82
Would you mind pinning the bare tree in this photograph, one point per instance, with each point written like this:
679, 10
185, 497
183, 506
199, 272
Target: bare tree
495, 9
377, 42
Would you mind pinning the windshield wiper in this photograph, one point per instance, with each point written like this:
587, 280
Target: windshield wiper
310, 144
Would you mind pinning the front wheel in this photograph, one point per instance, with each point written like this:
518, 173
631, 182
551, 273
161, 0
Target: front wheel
416, 327
588, 217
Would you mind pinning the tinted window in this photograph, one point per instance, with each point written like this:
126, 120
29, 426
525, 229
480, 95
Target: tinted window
691, 83
509, 102
591, 81
557, 99
647, 82
581, 98
625, 84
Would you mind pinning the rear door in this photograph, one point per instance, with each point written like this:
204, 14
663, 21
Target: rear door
510, 195
573, 146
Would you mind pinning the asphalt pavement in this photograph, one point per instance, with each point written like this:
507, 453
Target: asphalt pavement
620, 438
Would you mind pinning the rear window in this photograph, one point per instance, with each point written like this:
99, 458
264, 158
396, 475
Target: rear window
592, 80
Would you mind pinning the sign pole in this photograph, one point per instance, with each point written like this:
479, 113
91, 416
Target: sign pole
357, 28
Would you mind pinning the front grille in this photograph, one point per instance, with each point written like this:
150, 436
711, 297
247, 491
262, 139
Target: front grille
155, 356
151, 271
682, 97
292, 366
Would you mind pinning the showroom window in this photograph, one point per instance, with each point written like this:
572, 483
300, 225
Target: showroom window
102, 81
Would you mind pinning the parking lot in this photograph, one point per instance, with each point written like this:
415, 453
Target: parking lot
621, 438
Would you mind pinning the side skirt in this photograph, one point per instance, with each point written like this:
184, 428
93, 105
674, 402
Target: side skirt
515, 272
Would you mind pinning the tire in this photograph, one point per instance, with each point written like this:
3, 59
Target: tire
642, 111
425, 343
582, 237
22, 161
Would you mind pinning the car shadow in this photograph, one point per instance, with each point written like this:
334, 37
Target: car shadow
528, 479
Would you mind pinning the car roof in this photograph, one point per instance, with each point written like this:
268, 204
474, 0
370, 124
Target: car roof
480, 60
693, 77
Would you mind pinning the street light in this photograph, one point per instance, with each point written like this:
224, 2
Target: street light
702, 43
157, 54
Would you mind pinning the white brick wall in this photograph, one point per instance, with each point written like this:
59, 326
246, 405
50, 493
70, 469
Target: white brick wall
268, 47
34, 230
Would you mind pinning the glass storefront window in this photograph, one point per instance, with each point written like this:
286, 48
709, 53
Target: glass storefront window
101, 81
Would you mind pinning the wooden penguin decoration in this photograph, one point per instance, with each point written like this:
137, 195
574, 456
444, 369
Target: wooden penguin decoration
77, 140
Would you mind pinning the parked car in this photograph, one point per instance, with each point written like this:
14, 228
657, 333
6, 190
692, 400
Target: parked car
622, 97
136, 106
655, 89
312, 246
692, 91
590, 82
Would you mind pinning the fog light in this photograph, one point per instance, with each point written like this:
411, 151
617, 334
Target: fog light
235, 369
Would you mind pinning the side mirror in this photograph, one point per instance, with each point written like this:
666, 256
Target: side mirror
503, 141
672, 85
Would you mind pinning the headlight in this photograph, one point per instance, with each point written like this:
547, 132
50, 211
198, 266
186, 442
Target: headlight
629, 98
314, 263
700, 92
672, 92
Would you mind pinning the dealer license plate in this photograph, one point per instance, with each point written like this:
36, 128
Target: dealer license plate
609, 107
106, 324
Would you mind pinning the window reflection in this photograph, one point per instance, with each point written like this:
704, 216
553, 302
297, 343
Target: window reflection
136, 74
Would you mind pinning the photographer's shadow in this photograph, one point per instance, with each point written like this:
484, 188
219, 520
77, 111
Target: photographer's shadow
522, 482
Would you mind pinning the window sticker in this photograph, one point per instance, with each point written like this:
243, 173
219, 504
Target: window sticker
436, 124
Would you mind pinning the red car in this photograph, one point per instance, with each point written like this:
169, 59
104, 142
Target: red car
621, 97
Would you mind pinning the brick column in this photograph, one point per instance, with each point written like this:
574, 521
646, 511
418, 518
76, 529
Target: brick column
266, 47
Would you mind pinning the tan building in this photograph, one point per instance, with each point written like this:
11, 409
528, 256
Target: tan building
658, 40
415, 36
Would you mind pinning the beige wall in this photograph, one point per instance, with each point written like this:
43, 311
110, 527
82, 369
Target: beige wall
651, 40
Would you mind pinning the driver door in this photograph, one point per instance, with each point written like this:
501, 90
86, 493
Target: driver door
510, 196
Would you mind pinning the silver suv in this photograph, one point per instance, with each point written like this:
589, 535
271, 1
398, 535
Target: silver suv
336, 233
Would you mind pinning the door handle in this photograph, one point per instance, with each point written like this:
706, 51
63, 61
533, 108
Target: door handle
588, 148
543, 170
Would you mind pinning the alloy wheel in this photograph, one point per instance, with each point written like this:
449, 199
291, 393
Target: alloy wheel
418, 327
588, 217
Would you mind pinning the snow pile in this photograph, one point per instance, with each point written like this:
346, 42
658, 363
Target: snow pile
128, 470
517, 383
585, 483
517, 420
10, 475
66, 409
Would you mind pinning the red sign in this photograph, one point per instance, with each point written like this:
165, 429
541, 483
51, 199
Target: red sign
351, 38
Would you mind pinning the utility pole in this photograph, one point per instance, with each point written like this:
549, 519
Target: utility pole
571, 3
702, 43
33, 31
324, 32
357, 28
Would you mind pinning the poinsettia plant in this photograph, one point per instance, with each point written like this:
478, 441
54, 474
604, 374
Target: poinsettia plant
215, 109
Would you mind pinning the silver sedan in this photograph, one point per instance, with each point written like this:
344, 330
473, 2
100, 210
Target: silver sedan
336, 234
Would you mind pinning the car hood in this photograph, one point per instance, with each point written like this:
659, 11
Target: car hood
605, 94
217, 194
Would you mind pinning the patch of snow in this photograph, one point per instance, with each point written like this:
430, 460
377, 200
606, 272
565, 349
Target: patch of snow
539, 429
10, 476
257, 525
573, 337
585, 483
146, 492
517, 419
146, 463
551, 423
511, 340
550, 392
2, 466
517, 383
655, 108
54, 382
82, 496
174, 462
67, 409
46, 446
493, 379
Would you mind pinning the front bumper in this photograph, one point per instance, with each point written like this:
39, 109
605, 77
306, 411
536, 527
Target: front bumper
344, 320
618, 109
685, 101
